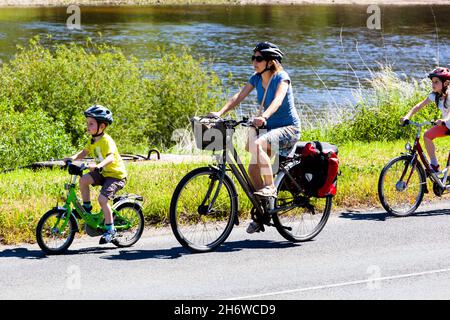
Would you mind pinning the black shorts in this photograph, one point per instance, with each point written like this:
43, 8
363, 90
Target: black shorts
110, 186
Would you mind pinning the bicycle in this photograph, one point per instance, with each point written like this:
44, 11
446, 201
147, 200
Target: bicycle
204, 205
56, 229
403, 180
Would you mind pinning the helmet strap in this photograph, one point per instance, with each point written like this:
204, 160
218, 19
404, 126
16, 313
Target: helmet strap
97, 134
266, 69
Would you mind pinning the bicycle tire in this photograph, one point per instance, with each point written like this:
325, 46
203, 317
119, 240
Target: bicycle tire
121, 240
43, 243
388, 205
182, 220
296, 221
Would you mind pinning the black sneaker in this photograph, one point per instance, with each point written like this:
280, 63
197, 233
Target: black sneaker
253, 227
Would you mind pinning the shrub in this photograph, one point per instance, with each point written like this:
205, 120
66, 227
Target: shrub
148, 99
29, 137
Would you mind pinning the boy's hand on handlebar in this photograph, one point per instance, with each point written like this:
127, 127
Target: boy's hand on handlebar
68, 159
91, 166
259, 121
439, 122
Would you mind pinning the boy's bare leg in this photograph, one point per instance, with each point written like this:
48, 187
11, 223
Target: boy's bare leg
103, 201
85, 182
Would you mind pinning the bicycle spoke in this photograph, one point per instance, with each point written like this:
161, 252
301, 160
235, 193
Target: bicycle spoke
305, 219
200, 224
397, 196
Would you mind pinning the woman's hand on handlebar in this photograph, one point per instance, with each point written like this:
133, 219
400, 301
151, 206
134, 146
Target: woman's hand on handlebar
216, 114
439, 122
259, 121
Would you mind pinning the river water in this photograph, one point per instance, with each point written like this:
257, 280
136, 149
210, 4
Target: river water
329, 49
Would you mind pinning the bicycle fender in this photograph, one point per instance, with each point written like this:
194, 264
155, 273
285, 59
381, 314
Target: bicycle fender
121, 202
281, 174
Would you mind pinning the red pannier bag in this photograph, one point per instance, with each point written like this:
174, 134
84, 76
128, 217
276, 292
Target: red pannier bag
318, 170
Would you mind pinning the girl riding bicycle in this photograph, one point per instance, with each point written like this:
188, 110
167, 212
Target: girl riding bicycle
278, 113
440, 78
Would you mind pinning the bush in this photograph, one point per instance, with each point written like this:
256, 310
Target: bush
148, 99
29, 137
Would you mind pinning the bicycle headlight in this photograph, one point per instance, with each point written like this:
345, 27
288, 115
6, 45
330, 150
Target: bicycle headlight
408, 146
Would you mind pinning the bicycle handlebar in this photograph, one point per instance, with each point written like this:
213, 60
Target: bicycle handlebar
420, 124
245, 122
74, 169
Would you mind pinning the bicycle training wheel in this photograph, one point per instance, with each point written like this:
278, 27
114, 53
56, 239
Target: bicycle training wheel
304, 216
401, 187
198, 225
52, 237
129, 224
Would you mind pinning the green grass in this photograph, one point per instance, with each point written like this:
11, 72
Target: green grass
26, 195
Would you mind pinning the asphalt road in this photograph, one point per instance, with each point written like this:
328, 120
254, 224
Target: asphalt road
358, 255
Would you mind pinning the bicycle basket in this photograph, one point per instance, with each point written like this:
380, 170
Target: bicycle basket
209, 133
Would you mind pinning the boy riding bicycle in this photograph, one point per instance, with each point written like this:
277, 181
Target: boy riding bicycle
108, 171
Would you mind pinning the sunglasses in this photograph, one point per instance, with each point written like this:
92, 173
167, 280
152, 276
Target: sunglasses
258, 58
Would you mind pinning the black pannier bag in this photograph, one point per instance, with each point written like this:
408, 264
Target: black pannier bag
209, 133
318, 169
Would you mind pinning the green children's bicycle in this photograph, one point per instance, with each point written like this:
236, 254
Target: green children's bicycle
56, 229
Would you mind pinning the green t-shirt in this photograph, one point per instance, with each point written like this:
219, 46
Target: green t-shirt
100, 149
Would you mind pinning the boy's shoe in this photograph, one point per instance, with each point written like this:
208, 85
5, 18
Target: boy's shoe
108, 236
253, 227
435, 167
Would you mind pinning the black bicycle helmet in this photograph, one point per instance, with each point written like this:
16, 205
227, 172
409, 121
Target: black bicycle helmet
269, 51
99, 113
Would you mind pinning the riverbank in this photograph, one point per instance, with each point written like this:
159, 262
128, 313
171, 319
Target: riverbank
51, 3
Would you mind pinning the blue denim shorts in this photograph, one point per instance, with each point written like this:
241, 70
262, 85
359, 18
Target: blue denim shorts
282, 140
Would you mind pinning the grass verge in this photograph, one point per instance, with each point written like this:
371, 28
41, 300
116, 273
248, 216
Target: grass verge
26, 195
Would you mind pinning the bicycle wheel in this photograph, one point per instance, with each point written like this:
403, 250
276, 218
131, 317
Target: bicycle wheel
401, 187
129, 223
305, 219
49, 235
194, 226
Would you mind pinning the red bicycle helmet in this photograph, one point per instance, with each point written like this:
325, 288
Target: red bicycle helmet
441, 73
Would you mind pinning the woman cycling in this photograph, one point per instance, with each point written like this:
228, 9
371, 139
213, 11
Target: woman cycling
274, 91
440, 80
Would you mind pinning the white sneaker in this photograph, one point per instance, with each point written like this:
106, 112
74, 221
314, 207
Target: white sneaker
108, 236
253, 227
267, 191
